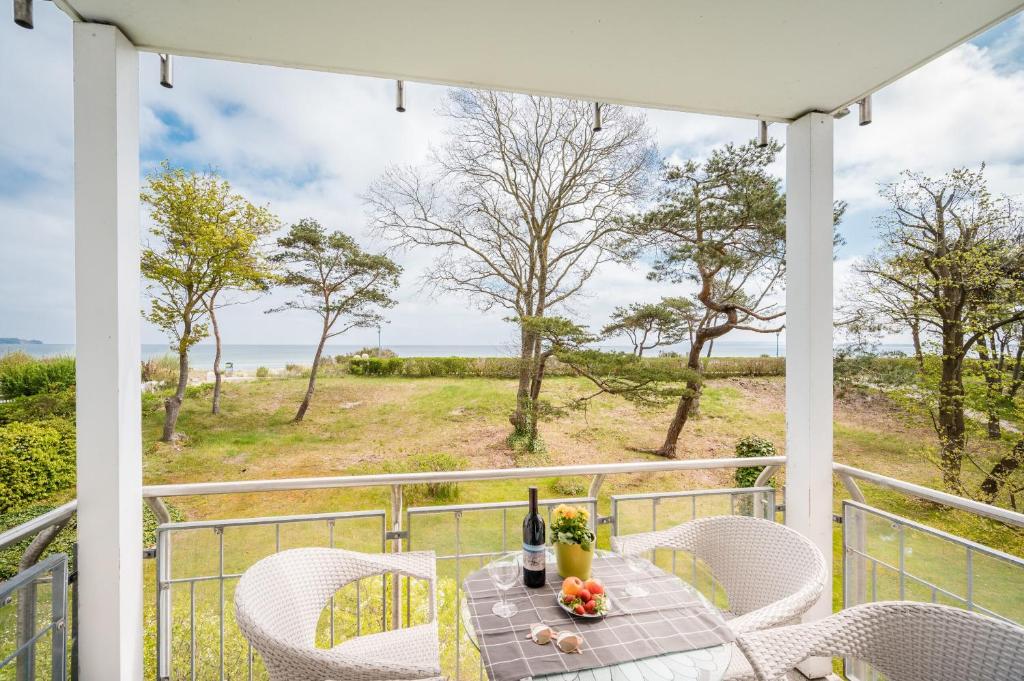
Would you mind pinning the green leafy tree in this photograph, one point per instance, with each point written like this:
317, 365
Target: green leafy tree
522, 206
244, 269
719, 224
201, 232
956, 252
652, 325
337, 280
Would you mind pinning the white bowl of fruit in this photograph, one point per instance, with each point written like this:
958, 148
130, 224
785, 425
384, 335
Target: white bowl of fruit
583, 598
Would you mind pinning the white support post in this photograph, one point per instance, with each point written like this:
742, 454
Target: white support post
106, 76
809, 343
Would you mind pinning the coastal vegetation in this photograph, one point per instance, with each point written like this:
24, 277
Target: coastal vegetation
949, 271
205, 240
346, 287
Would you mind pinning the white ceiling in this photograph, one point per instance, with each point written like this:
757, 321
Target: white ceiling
774, 59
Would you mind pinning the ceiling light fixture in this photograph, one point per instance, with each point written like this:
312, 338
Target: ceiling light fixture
865, 110
762, 134
23, 13
597, 116
400, 96
166, 71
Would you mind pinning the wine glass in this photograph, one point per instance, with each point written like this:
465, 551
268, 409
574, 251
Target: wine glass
504, 572
638, 566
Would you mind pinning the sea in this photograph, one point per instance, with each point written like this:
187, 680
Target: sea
249, 357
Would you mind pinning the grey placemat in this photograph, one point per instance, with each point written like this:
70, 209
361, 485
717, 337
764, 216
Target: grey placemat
671, 619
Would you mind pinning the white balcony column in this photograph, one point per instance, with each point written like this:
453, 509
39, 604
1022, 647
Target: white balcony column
809, 342
106, 77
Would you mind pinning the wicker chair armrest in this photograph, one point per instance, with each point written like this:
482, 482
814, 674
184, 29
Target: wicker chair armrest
635, 544
773, 652
783, 611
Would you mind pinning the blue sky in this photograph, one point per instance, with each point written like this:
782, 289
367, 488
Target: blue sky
309, 143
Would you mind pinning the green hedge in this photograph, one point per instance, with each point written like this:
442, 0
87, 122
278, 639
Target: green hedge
508, 367
36, 460
19, 377
39, 407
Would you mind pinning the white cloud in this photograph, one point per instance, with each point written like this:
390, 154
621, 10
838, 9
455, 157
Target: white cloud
309, 144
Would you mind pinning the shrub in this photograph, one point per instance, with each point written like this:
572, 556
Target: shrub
195, 392
375, 366
568, 487
19, 378
39, 407
369, 352
36, 460
262, 372
752, 446
432, 463
163, 369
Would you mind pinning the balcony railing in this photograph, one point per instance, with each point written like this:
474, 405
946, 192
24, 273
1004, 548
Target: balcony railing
198, 563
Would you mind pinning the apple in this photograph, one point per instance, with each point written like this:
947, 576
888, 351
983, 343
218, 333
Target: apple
594, 586
590, 607
579, 610
572, 586
584, 595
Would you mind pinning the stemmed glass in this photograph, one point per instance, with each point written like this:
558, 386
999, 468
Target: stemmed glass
504, 572
638, 566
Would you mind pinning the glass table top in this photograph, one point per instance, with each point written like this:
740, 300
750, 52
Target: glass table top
704, 664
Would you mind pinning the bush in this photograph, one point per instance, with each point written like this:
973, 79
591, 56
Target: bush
163, 369
20, 378
752, 446
375, 366
383, 353
424, 367
433, 463
262, 372
39, 407
36, 460
568, 487
195, 392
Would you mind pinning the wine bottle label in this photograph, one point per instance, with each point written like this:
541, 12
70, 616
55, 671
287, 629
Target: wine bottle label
533, 557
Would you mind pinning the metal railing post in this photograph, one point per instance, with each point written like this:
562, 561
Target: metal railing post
855, 579
396, 547
26, 616
163, 590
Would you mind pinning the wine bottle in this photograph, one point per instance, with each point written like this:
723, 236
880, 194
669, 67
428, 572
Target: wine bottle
533, 545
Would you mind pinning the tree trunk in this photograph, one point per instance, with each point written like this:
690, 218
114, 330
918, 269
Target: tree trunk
950, 422
217, 371
915, 335
520, 419
686, 402
312, 379
993, 387
172, 405
1000, 473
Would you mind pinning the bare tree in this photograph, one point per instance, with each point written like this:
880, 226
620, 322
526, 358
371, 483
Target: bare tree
522, 205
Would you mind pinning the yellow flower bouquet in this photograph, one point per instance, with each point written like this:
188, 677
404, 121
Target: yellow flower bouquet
573, 540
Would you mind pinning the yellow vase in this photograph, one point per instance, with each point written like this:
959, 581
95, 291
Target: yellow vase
573, 561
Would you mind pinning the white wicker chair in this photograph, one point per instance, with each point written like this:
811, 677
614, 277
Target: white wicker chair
770, 573
904, 641
278, 602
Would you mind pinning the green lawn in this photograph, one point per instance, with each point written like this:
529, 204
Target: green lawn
365, 425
